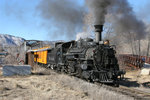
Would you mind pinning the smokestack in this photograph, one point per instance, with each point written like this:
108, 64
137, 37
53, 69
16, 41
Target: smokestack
98, 32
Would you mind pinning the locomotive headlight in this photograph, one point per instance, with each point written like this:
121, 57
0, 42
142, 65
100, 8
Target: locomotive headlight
84, 66
106, 42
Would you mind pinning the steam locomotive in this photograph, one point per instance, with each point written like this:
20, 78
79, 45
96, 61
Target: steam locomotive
91, 60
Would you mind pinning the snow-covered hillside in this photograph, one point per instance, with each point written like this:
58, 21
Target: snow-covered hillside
6, 39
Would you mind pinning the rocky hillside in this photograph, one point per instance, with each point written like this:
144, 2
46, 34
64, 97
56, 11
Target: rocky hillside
10, 40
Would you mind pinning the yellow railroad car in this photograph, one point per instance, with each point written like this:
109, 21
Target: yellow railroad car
40, 55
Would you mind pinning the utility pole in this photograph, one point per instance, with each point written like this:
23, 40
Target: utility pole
25, 46
139, 47
131, 41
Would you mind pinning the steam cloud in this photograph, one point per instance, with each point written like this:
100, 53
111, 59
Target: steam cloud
65, 15
82, 35
120, 14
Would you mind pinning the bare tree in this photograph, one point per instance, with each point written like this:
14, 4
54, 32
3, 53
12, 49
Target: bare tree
148, 46
108, 30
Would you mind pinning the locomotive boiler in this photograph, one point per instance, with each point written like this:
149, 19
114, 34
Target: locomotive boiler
89, 59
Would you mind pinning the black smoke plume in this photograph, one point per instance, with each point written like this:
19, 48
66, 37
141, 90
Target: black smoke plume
65, 15
120, 14
99, 9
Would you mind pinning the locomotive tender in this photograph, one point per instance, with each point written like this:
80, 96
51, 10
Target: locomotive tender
85, 58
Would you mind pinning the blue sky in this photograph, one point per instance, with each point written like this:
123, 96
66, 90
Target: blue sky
19, 18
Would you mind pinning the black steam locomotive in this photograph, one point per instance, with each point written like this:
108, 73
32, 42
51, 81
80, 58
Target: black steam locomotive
85, 58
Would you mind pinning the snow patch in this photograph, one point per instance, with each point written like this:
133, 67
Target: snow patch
146, 69
6, 39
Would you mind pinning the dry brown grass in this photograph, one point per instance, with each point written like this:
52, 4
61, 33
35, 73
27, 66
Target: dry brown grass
93, 91
53, 86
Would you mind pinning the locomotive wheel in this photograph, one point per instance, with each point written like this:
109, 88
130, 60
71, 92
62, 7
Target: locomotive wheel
58, 68
71, 69
68, 70
79, 72
63, 69
116, 84
52, 66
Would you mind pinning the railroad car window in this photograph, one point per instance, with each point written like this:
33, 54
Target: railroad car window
36, 56
49, 51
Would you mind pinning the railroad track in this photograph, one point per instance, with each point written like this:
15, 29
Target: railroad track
138, 94
135, 93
